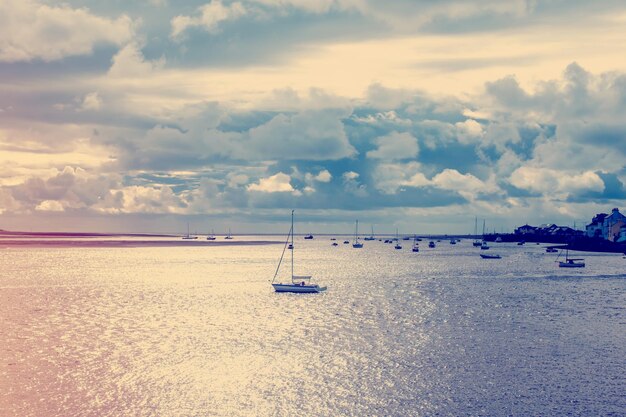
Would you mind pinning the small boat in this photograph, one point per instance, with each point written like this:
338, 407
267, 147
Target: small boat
290, 246
370, 237
521, 243
490, 256
188, 236
333, 238
551, 250
228, 236
571, 262
345, 242
484, 246
309, 237
431, 244
406, 238
416, 247
498, 239
299, 283
398, 245
453, 241
335, 244
357, 244
211, 236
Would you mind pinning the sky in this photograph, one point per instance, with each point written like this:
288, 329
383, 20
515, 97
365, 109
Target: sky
144, 115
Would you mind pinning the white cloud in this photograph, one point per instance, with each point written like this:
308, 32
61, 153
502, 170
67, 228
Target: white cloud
395, 146
130, 62
352, 185
92, 101
50, 205
211, 15
323, 176
556, 184
32, 30
278, 183
466, 184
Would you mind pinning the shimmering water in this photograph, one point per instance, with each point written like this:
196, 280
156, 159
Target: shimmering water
198, 331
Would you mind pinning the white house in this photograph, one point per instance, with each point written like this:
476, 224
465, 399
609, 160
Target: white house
607, 226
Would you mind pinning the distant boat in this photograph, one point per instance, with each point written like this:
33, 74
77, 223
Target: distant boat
370, 237
490, 256
498, 239
416, 247
211, 236
398, 245
346, 242
476, 242
228, 236
483, 244
431, 244
356, 243
453, 241
521, 243
335, 244
290, 246
332, 238
571, 262
406, 238
299, 283
551, 250
188, 236
309, 236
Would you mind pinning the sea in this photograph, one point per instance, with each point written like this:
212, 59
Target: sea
198, 331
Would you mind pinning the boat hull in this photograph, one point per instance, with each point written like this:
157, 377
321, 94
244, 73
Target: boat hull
490, 256
571, 265
298, 288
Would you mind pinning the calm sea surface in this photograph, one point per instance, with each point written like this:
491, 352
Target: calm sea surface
177, 331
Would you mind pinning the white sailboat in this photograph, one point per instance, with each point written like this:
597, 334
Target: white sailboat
571, 262
476, 241
483, 245
299, 283
370, 237
211, 236
356, 243
188, 236
398, 245
228, 236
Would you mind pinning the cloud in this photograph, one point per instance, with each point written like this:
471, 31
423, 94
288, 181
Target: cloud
278, 183
91, 101
557, 184
209, 18
32, 30
395, 146
309, 135
130, 62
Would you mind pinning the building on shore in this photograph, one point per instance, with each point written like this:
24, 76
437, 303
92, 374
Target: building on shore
611, 227
546, 230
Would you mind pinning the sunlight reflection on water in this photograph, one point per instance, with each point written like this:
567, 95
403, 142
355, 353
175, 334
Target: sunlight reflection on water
198, 331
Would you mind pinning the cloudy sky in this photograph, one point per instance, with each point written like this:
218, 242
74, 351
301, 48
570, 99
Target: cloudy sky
141, 115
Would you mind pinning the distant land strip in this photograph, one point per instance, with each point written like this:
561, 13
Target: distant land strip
32, 243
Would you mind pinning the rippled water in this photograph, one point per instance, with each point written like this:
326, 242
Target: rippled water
198, 331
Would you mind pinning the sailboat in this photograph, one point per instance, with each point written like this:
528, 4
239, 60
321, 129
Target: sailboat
571, 262
211, 236
476, 241
356, 243
370, 237
299, 283
483, 244
398, 245
416, 247
229, 236
188, 236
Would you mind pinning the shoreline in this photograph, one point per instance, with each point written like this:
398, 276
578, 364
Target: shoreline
32, 243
